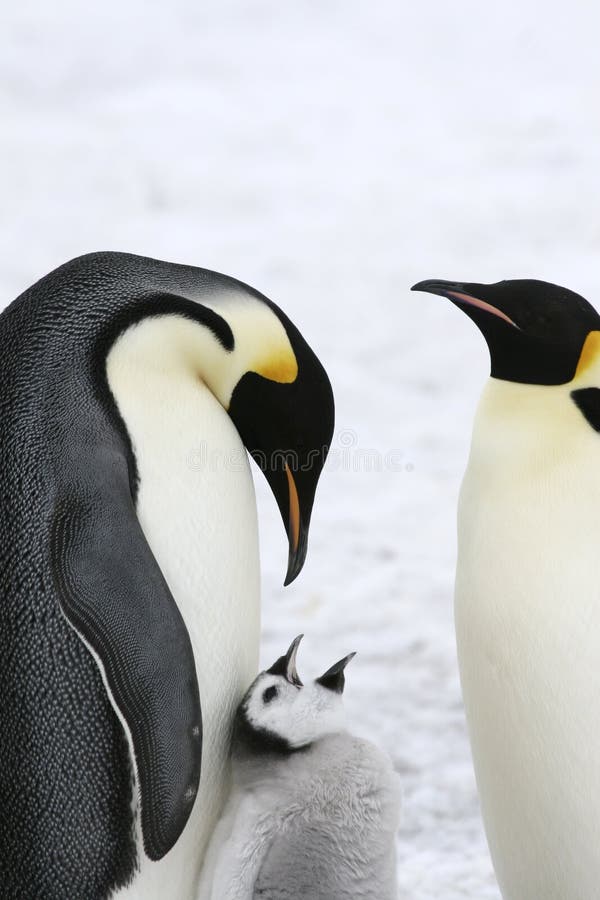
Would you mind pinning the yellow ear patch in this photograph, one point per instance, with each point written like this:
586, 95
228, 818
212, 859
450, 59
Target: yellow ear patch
281, 367
590, 352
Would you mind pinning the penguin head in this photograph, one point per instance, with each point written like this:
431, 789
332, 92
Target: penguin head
263, 373
281, 714
282, 406
537, 333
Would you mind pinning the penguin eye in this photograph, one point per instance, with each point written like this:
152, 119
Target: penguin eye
269, 694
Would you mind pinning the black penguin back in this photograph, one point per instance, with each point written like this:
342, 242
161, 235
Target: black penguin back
66, 783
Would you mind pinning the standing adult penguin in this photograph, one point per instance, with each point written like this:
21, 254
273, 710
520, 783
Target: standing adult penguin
129, 615
527, 586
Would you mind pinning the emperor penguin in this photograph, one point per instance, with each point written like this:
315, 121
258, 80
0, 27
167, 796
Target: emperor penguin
528, 586
130, 391
313, 811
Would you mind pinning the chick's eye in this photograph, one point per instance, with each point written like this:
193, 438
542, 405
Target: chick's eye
269, 694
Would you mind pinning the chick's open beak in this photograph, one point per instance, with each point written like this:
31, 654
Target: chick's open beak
286, 664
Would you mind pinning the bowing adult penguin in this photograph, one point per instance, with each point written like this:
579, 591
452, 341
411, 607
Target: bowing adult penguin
528, 586
129, 605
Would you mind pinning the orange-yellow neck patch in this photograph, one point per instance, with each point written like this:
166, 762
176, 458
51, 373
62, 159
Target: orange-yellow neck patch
281, 367
590, 353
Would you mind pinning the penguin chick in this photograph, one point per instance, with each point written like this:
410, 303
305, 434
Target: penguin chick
313, 810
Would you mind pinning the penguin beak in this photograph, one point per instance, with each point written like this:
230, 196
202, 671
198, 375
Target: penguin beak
461, 295
286, 665
333, 679
297, 532
287, 429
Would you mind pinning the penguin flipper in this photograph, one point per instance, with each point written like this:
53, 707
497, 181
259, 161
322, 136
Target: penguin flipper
113, 593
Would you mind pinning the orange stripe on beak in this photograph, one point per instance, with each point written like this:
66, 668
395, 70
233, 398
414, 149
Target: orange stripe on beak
294, 509
481, 304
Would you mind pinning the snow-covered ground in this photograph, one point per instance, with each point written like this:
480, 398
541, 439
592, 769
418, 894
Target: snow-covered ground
332, 153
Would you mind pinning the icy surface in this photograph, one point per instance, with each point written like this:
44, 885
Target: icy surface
331, 154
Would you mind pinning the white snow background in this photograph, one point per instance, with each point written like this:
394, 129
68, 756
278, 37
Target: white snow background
331, 154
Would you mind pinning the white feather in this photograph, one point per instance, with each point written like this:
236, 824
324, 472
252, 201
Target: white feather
528, 630
197, 508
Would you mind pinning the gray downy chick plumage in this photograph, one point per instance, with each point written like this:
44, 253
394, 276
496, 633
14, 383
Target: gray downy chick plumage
314, 810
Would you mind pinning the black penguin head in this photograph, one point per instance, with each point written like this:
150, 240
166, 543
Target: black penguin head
252, 358
279, 714
277, 393
286, 423
535, 331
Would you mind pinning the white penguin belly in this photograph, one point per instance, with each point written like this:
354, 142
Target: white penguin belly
528, 634
197, 509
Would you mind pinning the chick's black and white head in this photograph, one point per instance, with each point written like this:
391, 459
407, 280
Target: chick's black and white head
281, 714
